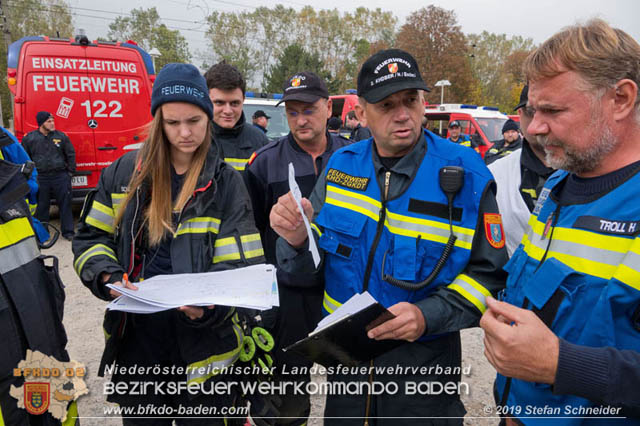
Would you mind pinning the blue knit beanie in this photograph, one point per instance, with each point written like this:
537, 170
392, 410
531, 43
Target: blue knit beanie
181, 83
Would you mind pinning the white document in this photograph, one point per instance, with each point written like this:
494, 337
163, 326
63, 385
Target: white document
355, 304
252, 287
295, 190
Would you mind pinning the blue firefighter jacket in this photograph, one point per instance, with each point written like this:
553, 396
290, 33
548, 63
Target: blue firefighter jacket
578, 268
363, 233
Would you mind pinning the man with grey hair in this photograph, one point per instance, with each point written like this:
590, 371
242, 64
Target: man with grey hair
567, 336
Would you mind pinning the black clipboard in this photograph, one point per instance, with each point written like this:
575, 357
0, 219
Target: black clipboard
345, 341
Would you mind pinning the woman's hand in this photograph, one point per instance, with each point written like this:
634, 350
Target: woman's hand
127, 284
194, 312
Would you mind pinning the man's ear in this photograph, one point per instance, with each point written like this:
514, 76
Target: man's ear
329, 108
626, 95
361, 114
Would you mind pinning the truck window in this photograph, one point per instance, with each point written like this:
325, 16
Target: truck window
492, 127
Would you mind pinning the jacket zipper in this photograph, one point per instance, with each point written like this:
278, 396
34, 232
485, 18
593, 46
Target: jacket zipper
381, 218
367, 275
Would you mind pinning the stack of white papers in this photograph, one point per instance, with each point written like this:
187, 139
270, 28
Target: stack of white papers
355, 304
252, 287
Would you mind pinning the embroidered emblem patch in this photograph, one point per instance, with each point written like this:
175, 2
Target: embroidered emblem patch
393, 68
36, 397
348, 181
493, 230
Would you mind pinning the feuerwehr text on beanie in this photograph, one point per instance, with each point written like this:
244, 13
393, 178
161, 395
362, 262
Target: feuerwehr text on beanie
181, 83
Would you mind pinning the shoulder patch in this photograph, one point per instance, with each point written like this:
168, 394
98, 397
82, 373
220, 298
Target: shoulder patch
347, 181
493, 230
253, 157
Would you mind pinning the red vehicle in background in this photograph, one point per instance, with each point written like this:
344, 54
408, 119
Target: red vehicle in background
482, 124
98, 92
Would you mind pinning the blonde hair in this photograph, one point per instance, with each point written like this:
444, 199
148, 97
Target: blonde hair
602, 55
153, 166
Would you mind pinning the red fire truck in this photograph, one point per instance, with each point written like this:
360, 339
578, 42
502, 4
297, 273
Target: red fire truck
98, 92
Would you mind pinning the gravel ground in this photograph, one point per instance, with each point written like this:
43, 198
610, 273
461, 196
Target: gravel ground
83, 322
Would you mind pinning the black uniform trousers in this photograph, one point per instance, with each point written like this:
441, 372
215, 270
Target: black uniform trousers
58, 184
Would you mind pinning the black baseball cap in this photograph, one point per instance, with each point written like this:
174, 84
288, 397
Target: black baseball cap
304, 86
454, 123
524, 97
387, 72
260, 113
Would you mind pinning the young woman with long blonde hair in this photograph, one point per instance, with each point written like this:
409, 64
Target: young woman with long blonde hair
172, 207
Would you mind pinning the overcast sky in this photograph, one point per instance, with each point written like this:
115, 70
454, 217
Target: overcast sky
537, 19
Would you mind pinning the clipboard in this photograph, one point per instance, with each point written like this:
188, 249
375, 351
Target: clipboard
345, 341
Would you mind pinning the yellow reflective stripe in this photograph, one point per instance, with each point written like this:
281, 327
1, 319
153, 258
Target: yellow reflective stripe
251, 245
116, 201
237, 163
95, 250
329, 303
315, 228
101, 217
15, 230
362, 204
397, 223
628, 271
584, 251
214, 363
199, 225
471, 290
428, 229
226, 249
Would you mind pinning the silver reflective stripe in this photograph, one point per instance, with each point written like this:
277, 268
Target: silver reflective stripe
471, 290
426, 229
227, 248
18, 254
96, 250
329, 304
102, 218
237, 163
594, 254
332, 194
632, 261
251, 242
199, 225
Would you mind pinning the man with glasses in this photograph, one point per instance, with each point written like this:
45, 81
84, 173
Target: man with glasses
308, 146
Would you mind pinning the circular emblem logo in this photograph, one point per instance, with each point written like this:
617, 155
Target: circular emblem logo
92, 123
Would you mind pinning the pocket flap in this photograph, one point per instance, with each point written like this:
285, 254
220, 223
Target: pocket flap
351, 224
404, 258
546, 280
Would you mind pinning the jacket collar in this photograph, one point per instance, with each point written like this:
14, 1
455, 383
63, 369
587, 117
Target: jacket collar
232, 132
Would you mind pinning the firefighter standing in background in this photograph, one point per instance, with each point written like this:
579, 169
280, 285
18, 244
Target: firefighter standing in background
184, 211
31, 299
55, 160
308, 146
235, 138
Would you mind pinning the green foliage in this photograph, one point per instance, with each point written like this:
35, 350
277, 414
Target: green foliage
497, 64
441, 52
29, 18
293, 59
253, 41
144, 27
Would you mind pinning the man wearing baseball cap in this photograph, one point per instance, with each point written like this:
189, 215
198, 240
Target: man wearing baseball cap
456, 136
308, 147
261, 120
412, 220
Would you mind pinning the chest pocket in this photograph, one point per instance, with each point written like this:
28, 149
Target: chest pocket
341, 235
563, 297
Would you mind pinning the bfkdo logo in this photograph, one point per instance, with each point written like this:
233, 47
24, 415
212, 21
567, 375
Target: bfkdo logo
295, 82
393, 67
36, 397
